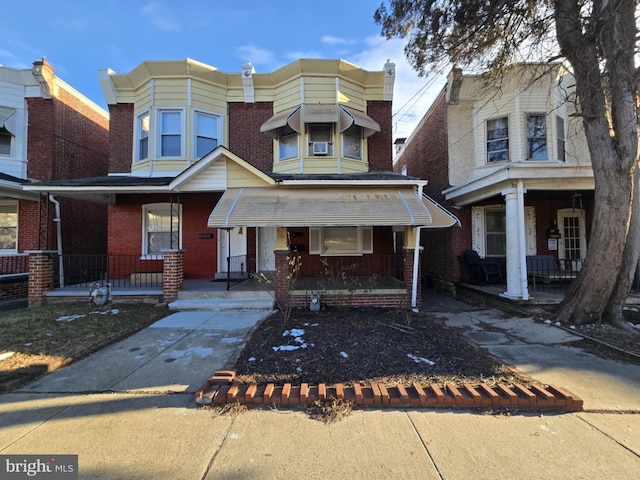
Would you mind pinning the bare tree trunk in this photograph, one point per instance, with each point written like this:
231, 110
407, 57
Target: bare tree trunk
613, 311
611, 129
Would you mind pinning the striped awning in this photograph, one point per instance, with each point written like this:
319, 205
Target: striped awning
317, 206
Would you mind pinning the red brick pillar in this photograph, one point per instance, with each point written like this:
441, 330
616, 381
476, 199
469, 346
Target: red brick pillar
40, 275
280, 277
172, 274
408, 275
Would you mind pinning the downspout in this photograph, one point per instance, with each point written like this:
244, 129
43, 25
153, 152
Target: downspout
58, 222
416, 257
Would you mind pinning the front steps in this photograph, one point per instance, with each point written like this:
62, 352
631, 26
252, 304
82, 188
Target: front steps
225, 300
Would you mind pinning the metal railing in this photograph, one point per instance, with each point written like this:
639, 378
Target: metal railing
131, 271
14, 264
546, 273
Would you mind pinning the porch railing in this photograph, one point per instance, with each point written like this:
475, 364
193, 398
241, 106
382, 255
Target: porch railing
14, 265
546, 273
369, 266
81, 271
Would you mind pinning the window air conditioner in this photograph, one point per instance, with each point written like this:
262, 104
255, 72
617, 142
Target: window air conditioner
320, 148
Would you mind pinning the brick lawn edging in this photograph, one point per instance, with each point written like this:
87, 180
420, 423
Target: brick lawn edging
222, 389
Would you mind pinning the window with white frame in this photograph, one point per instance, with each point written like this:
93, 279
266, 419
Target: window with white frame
170, 128
498, 140
161, 227
496, 233
206, 133
488, 230
287, 143
352, 142
537, 137
320, 139
562, 155
336, 241
142, 136
8, 227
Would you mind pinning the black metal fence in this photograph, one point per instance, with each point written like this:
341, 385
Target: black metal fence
132, 271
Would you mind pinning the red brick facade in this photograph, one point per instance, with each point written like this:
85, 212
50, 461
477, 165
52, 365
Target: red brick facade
380, 145
121, 126
245, 139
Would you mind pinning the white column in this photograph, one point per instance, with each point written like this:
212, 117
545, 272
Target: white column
514, 287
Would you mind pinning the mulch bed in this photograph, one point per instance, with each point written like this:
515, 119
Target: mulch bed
365, 345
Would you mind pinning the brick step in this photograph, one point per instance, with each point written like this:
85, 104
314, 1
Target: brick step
221, 389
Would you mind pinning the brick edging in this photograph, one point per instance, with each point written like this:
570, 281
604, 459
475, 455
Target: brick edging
222, 389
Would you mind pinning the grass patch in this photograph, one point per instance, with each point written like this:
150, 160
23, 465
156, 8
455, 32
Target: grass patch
65, 332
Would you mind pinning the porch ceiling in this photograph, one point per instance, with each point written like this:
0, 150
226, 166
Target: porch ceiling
317, 206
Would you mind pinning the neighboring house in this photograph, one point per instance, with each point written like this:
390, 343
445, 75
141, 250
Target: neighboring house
48, 131
233, 173
510, 158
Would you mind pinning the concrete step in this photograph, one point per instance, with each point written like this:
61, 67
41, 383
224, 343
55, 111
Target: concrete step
237, 303
224, 295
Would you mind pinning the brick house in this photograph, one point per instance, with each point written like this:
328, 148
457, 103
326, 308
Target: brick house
48, 131
235, 173
511, 160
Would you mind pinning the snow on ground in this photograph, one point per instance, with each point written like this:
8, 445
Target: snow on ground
71, 318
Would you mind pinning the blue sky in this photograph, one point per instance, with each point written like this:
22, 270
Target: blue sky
80, 37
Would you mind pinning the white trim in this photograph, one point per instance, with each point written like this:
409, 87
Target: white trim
194, 129
164, 206
158, 132
316, 242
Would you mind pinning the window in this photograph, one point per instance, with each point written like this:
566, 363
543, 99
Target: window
206, 131
320, 141
496, 233
352, 142
561, 139
142, 135
161, 227
170, 133
8, 227
287, 143
536, 137
340, 240
498, 140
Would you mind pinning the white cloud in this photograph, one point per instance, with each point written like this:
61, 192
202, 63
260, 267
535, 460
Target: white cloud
336, 40
160, 17
413, 95
256, 55
296, 55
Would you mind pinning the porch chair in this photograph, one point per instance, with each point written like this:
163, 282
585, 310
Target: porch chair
482, 270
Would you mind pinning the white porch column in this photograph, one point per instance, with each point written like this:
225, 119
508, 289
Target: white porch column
514, 200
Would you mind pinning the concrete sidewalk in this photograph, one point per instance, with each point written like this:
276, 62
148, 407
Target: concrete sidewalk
113, 410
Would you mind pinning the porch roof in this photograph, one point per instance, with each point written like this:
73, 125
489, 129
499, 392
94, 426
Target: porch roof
327, 206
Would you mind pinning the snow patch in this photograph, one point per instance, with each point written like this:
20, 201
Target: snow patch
417, 359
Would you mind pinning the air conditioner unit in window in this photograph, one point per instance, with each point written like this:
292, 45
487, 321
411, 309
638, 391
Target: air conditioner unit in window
320, 148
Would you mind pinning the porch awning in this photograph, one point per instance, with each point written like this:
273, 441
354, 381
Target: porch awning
314, 207
349, 116
290, 117
6, 121
320, 113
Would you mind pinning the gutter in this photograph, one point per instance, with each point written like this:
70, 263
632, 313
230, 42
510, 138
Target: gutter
58, 222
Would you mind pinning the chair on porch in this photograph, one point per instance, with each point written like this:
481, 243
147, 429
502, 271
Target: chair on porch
482, 270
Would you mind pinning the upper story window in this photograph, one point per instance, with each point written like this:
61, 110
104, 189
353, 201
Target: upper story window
170, 128
320, 139
6, 140
352, 142
142, 136
206, 133
537, 137
287, 143
562, 155
161, 228
498, 139
8, 227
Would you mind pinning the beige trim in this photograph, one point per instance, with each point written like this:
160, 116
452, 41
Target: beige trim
318, 206
320, 113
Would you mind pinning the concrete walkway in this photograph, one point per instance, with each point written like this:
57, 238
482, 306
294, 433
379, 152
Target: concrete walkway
128, 412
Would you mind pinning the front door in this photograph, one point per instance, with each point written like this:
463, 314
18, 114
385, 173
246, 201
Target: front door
572, 247
232, 243
266, 248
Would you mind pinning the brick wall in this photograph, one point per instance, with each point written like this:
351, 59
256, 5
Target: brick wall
245, 139
200, 254
380, 144
121, 137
